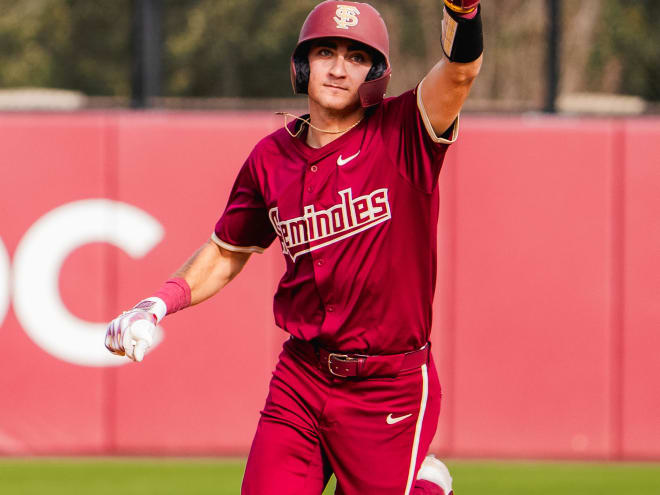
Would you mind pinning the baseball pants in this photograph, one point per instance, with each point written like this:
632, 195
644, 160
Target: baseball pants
372, 433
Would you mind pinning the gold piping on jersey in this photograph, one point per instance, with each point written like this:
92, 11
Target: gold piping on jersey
427, 123
235, 249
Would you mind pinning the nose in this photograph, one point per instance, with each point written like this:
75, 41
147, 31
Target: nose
338, 68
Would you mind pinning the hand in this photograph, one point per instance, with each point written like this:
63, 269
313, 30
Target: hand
131, 334
462, 7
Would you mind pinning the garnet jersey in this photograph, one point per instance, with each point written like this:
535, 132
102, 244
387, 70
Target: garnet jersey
357, 223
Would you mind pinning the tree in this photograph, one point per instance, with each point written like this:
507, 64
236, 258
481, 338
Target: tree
73, 44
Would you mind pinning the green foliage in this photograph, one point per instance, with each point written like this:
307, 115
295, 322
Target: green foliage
231, 48
241, 48
629, 41
75, 44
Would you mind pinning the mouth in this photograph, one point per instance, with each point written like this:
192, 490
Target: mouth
335, 86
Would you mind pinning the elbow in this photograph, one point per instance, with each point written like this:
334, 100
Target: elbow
234, 263
465, 74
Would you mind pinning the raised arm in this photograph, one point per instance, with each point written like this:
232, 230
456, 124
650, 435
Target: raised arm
445, 88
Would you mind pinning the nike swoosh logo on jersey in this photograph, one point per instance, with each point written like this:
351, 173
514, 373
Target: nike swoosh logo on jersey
341, 161
390, 420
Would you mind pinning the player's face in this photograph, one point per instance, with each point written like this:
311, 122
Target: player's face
337, 68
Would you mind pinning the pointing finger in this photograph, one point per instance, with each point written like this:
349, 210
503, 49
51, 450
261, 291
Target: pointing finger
140, 348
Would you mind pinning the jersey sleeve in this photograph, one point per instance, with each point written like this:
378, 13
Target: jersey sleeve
244, 226
411, 140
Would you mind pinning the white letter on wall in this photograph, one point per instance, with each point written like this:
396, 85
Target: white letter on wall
4, 281
39, 258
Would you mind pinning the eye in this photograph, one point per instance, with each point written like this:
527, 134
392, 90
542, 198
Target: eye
358, 58
323, 52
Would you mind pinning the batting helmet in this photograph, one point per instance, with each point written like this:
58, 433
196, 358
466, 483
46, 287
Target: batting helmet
351, 20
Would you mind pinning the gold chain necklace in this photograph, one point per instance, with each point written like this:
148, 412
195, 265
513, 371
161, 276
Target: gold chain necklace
309, 123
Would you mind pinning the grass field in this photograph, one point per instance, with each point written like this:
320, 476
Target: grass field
219, 477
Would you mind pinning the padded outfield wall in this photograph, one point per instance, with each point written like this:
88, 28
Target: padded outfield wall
547, 312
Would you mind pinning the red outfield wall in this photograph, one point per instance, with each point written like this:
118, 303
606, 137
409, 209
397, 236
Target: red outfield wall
546, 316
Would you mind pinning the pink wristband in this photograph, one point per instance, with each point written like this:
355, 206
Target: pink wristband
175, 293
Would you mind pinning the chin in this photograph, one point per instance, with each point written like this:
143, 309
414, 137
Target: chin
338, 103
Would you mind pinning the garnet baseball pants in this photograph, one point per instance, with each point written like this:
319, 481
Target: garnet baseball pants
372, 433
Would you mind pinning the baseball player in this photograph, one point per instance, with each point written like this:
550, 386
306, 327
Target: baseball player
351, 191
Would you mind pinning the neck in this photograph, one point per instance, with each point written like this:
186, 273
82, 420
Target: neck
335, 123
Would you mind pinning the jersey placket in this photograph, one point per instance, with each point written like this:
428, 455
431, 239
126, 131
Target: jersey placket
314, 179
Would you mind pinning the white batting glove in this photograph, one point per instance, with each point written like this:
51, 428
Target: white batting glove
132, 332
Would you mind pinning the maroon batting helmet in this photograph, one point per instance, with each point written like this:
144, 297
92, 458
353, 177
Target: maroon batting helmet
354, 21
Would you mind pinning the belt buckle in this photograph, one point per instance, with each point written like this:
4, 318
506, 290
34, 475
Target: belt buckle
344, 358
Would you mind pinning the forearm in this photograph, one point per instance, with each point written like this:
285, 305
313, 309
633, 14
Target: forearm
204, 274
210, 269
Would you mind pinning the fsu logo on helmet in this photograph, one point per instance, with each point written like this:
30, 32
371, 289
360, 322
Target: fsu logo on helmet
346, 16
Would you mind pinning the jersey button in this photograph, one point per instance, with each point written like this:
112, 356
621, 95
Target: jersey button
330, 308
310, 189
314, 168
320, 263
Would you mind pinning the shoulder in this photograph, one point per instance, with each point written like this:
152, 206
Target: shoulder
393, 103
267, 146
277, 142
269, 143
394, 108
271, 152
394, 113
